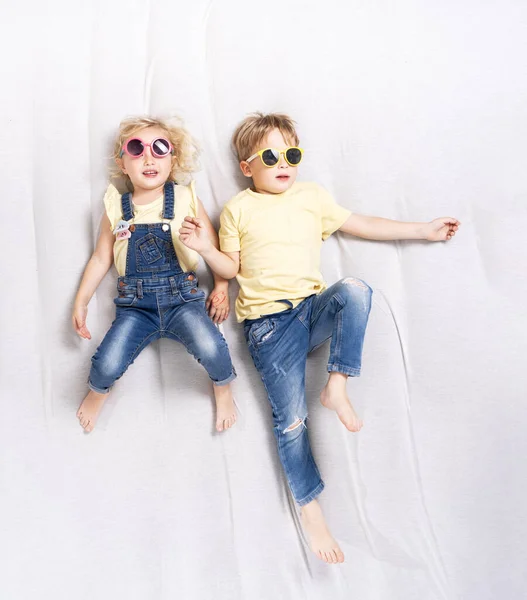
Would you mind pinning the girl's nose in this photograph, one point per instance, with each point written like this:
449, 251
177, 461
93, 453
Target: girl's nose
147, 156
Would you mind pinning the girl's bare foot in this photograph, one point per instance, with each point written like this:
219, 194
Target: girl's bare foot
225, 409
89, 410
335, 398
321, 542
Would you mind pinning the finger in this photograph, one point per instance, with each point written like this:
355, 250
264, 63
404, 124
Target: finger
79, 326
212, 312
194, 220
207, 304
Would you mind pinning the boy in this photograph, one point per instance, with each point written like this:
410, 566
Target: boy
270, 237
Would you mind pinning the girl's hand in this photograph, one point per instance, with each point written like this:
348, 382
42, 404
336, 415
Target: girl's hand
194, 234
440, 230
80, 313
218, 304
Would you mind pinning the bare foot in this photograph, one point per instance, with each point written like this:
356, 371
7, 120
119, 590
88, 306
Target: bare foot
321, 542
335, 398
89, 410
225, 409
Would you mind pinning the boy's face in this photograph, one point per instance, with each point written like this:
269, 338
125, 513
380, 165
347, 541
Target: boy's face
147, 172
270, 180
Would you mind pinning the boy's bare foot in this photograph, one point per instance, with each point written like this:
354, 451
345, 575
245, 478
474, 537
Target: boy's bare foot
334, 397
225, 409
89, 410
321, 542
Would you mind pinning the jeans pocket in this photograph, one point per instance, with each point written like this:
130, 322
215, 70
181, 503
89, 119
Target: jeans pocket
189, 294
125, 299
261, 332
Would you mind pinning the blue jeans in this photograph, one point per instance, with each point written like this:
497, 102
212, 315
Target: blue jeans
148, 309
279, 345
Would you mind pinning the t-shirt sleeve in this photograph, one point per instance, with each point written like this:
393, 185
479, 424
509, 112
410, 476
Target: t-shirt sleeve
332, 215
229, 233
112, 205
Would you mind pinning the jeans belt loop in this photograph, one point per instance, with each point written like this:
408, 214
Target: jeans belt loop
140, 289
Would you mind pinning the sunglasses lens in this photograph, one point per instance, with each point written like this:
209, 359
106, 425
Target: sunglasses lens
160, 147
270, 157
294, 156
135, 147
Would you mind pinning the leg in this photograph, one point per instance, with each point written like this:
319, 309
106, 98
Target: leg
278, 346
190, 325
341, 313
132, 330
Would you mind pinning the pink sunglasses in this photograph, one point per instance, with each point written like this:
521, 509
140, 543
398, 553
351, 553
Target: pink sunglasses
135, 147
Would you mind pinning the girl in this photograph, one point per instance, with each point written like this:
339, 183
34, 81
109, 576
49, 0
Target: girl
157, 288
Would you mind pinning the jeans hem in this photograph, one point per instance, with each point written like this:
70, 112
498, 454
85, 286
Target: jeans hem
349, 371
230, 378
311, 496
98, 390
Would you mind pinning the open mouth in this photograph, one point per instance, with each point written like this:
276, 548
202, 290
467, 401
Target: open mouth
150, 173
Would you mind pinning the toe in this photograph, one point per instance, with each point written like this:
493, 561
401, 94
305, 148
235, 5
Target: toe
340, 555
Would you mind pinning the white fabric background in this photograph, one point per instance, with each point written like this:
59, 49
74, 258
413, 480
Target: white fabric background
408, 110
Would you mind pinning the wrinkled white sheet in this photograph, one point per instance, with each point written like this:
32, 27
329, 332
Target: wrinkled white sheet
408, 110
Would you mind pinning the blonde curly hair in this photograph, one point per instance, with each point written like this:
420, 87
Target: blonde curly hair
186, 149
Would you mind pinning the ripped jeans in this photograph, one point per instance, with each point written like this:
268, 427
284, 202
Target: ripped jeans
279, 345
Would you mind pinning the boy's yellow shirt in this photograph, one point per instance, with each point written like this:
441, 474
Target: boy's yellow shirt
279, 237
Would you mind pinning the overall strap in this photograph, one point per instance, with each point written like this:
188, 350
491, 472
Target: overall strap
168, 205
126, 206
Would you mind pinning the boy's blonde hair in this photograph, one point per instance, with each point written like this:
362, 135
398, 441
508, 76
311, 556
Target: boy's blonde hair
186, 149
254, 128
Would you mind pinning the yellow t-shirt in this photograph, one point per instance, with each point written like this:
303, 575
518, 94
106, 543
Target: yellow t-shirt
279, 237
185, 203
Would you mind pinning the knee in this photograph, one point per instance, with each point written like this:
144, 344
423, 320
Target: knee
210, 350
355, 290
292, 426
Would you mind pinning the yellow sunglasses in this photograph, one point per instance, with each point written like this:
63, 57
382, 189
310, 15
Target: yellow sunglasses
271, 156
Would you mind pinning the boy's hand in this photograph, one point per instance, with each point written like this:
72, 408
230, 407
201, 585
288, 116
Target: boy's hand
218, 303
440, 230
194, 234
78, 318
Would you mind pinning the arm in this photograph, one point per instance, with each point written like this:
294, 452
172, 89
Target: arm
194, 235
97, 267
377, 228
218, 301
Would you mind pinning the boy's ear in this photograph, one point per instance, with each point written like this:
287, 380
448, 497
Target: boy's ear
246, 168
119, 163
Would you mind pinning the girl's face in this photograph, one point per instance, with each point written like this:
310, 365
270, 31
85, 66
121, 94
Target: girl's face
147, 172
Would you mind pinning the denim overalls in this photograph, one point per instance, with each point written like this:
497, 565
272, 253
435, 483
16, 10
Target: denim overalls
157, 299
